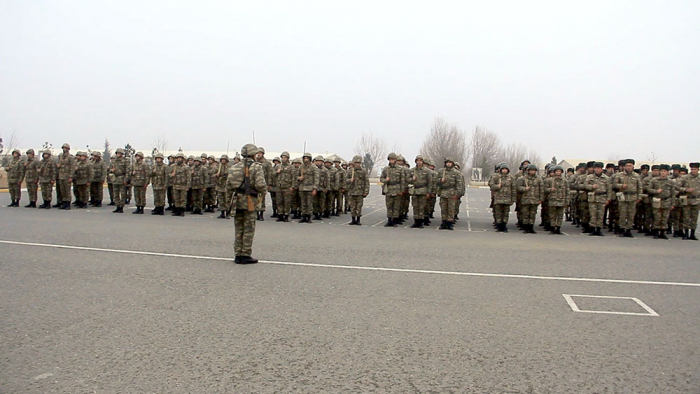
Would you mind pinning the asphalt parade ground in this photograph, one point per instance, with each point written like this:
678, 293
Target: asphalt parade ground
93, 301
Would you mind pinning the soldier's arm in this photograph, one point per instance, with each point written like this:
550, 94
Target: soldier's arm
542, 193
366, 184
382, 178
260, 183
317, 175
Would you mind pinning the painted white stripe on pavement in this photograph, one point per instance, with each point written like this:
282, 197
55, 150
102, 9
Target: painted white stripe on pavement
363, 268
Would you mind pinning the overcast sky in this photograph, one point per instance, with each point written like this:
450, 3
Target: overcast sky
589, 79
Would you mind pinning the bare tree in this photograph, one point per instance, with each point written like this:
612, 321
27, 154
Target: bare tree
9, 146
514, 154
371, 146
445, 141
160, 144
485, 150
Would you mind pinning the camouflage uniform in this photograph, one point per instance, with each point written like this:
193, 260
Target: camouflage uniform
320, 198
394, 182
47, 178
628, 188
180, 177
118, 172
15, 174
168, 183
245, 187
66, 167
663, 190
450, 184
198, 185
307, 183
585, 213
284, 175
222, 191
557, 190
339, 199
267, 171
689, 197
599, 187
140, 178
31, 177
504, 193
81, 179
99, 173
272, 187
357, 183
531, 194
422, 184
333, 187
210, 193
158, 176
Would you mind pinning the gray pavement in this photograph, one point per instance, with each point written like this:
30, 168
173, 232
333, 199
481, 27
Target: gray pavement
155, 304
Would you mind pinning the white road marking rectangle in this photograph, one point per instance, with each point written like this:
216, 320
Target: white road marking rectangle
569, 300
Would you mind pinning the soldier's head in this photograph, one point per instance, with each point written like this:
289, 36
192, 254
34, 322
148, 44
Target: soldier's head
532, 169
629, 166
610, 168
261, 153
171, 158
644, 169
589, 167
664, 170
392, 158
694, 168
581, 168
357, 162
318, 160
16, 154
197, 161
655, 170
276, 160
400, 160
419, 161
449, 163
524, 164
46, 154
249, 151
684, 171
236, 159
158, 157
211, 159
30, 153
676, 169
296, 162
337, 162
96, 156
558, 170
119, 152
328, 163
598, 167
285, 157
570, 170
503, 168
204, 156
344, 165
139, 156
65, 147
306, 158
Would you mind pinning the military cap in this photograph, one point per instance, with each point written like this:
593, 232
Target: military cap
297, 160
261, 149
590, 164
694, 165
30, 151
249, 150
419, 157
357, 159
158, 155
655, 167
392, 155
66, 145
97, 153
598, 164
621, 162
637, 170
180, 154
610, 165
46, 152
630, 161
119, 150
306, 154
581, 165
676, 167
212, 157
532, 167
449, 159
665, 167
139, 153
197, 158
645, 166
319, 157
570, 169
328, 160
684, 169
277, 159
285, 153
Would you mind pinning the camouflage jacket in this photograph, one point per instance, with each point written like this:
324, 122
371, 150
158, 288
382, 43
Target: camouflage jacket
503, 188
556, 189
284, 176
31, 170
222, 177
581, 186
82, 172
668, 190
322, 178
357, 182
181, 176
633, 183
332, 178
340, 175
211, 180
47, 171
99, 171
393, 180
452, 185
120, 169
15, 170
66, 166
256, 183
603, 191
690, 182
422, 181
531, 189
309, 175
140, 174
198, 181
158, 175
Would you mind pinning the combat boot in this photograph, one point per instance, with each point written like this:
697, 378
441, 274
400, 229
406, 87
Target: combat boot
389, 223
280, 218
426, 221
286, 218
222, 215
628, 234
247, 260
237, 260
82, 205
43, 205
274, 213
161, 211
532, 229
504, 227
685, 234
656, 233
28, 205
326, 214
443, 225
66, 206
137, 211
353, 222
169, 208
450, 225
303, 219
416, 224
692, 236
176, 211
111, 202
357, 222
155, 211
662, 234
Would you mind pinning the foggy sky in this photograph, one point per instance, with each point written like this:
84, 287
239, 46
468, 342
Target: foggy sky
593, 79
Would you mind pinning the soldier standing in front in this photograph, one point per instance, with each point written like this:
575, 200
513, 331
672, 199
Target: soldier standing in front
357, 184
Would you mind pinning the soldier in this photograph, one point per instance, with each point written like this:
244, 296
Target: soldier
394, 182
140, 178
168, 185
221, 177
66, 167
332, 188
283, 177
405, 196
689, 198
248, 181
421, 180
522, 171
576, 209
431, 198
81, 179
210, 193
267, 168
110, 183
158, 175
320, 199
640, 217
460, 193
47, 178
628, 188
568, 210
339, 198
531, 191
557, 190
450, 185
662, 190
31, 177
544, 209
357, 183
504, 192
180, 177
273, 187
118, 173
346, 205
646, 198
295, 199
307, 183
15, 174
198, 185
599, 188
99, 172
583, 198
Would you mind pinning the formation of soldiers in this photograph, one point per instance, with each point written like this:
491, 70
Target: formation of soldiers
656, 200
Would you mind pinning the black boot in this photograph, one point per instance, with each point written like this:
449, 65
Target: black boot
685, 234
280, 218
357, 221
286, 218
450, 225
28, 205
247, 260
692, 236
656, 233
274, 213
161, 211
58, 204
169, 208
326, 214
176, 211
111, 202
43, 205
498, 227
353, 221
137, 211
390, 223
426, 221
66, 206
222, 215
443, 226
504, 227
197, 211
155, 211
662, 234
628, 234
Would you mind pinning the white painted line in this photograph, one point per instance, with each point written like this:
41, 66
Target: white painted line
364, 268
569, 300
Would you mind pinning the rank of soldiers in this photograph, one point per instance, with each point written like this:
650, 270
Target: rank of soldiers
655, 201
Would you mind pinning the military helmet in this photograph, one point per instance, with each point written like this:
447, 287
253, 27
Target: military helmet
400, 157
503, 165
180, 154
357, 159
307, 154
297, 160
419, 157
328, 160
197, 158
80, 153
212, 157
449, 159
427, 161
277, 159
224, 157
204, 156
319, 157
97, 153
458, 165
285, 153
337, 160
16, 151
66, 145
46, 152
392, 155
558, 167
249, 150
119, 150
158, 155
532, 167
190, 157
139, 153
30, 151
261, 150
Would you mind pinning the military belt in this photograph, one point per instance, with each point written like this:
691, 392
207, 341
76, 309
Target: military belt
599, 193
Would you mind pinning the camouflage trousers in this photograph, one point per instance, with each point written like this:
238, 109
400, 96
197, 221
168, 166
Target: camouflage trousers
528, 212
197, 198
82, 193
179, 197
661, 218
519, 211
648, 216
284, 201
159, 197
585, 212
273, 198
32, 189
15, 191
674, 218
447, 208
330, 199
627, 211
596, 209
140, 195
169, 194
96, 192
110, 190
47, 191
555, 215
405, 203
64, 185
689, 216
419, 202
393, 206
501, 212
260, 205
356, 203
306, 202
128, 192
320, 202
457, 204
430, 205
295, 202
223, 199
544, 213
244, 224
339, 203
613, 210
210, 196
